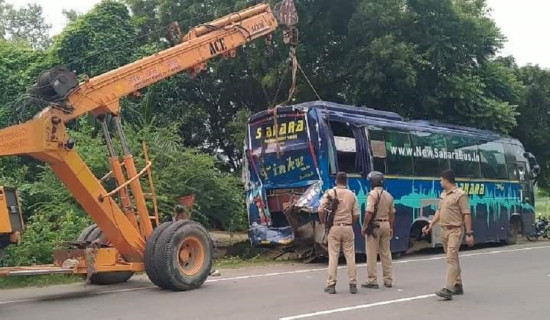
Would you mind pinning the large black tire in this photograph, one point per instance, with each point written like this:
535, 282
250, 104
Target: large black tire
90, 234
86, 232
183, 256
150, 249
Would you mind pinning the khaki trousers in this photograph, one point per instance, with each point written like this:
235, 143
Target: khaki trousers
451, 239
379, 243
341, 237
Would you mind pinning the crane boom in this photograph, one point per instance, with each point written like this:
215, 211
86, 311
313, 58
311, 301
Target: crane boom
219, 37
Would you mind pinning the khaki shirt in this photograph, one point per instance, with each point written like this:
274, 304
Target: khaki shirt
386, 206
348, 205
453, 205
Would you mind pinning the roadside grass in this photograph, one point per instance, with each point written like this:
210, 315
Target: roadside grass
37, 281
241, 254
542, 203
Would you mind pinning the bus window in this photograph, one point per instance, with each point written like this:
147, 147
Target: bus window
430, 154
399, 153
493, 164
515, 161
344, 141
464, 156
378, 149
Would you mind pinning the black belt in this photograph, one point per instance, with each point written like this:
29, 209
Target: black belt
451, 227
343, 224
382, 220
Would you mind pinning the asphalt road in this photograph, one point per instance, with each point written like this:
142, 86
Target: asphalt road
507, 282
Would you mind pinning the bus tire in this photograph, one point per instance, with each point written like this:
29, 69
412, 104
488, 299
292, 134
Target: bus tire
514, 228
90, 234
184, 256
397, 255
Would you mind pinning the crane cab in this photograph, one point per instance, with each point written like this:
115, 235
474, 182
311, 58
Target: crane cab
11, 218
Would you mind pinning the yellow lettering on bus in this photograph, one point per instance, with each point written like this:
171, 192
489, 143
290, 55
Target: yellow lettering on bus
282, 130
482, 189
466, 187
300, 126
259, 133
291, 125
268, 132
475, 189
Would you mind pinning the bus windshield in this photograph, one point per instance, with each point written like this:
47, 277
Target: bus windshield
279, 150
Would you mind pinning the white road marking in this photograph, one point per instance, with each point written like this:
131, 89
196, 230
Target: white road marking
362, 306
274, 274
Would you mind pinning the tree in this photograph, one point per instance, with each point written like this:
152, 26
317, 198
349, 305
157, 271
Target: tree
25, 25
101, 40
534, 119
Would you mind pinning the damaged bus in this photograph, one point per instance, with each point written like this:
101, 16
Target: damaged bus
293, 153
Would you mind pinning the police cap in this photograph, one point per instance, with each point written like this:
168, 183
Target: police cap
376, 178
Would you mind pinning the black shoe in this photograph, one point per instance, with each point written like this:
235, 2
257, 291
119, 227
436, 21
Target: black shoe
458, 290
353, 288
445, 294
330, 289
370, 285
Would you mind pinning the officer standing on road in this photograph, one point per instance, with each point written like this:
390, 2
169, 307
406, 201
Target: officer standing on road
453, 212
380, 213
341, 233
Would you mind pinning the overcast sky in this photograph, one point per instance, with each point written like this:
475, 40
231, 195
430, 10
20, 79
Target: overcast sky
525, 23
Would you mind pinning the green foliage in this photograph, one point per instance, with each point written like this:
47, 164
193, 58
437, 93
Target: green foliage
534, 119
25, 26
99, 41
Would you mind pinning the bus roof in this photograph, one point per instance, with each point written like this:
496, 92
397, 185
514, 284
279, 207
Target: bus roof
386, 119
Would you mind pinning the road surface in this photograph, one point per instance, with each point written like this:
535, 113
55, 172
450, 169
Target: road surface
507, 282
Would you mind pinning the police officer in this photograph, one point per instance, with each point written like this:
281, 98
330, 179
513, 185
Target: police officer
453, 213
341, 233
379, 241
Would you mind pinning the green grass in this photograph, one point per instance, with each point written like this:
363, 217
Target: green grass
37, 281
542, 203
241, 254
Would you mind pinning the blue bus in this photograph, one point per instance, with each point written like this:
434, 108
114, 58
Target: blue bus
294, 152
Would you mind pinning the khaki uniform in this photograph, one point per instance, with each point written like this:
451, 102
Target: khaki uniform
453, 206
341, 234
379, 242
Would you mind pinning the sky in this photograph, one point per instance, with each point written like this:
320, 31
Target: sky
523, 22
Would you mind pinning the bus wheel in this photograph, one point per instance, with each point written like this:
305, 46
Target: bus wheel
397, 255
513, 229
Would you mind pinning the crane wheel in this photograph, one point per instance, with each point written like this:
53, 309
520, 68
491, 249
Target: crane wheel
90, 234
150, 249
183, 254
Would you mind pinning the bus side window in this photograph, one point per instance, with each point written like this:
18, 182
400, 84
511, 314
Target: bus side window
399, 152
430, 158
344, 141
464, 156
378, 150
516, 163
493, 163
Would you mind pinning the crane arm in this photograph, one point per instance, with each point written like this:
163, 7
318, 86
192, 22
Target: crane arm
100, 95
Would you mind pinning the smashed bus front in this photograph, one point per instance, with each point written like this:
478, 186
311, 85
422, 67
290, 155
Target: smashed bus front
280, 166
